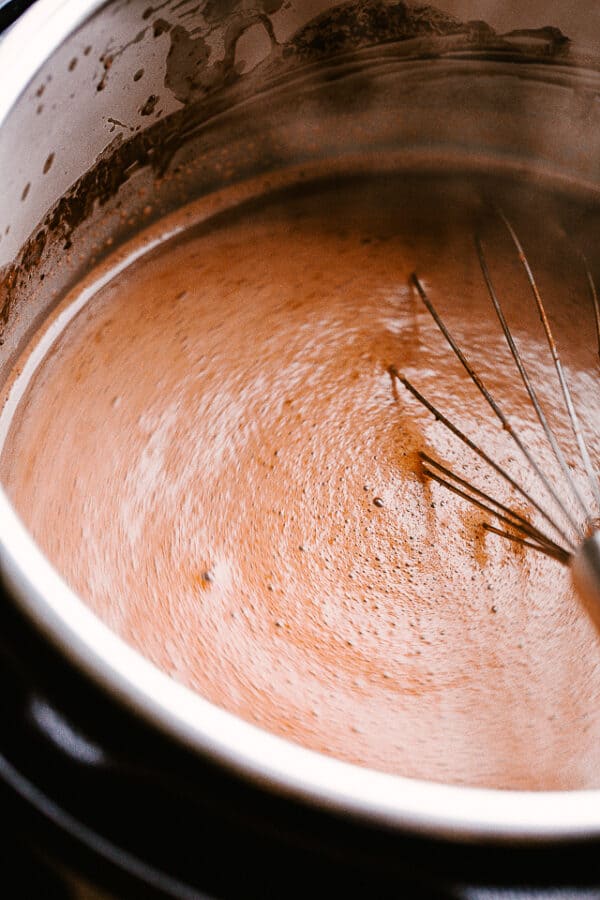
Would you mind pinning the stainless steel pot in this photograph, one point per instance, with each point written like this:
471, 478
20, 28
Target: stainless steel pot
115, 113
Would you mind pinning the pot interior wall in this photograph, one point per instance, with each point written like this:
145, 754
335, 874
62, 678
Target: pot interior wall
142, 109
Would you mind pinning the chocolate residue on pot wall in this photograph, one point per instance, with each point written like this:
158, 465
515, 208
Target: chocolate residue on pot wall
353, 25
160, 26
207, 87
150, 105
108, 59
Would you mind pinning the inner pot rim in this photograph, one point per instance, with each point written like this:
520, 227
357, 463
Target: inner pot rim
460, 813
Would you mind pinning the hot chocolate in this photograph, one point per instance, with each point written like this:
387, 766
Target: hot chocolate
213, 454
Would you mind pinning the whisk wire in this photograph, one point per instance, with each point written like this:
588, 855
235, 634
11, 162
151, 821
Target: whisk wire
468, 442
507, 515
567, 398
529, 544
556, 554
551, 437
594, 296
506, 424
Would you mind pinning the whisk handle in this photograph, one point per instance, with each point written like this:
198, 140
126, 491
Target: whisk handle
585, 567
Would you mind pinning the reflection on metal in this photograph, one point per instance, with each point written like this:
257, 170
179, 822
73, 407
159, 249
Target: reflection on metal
62, 733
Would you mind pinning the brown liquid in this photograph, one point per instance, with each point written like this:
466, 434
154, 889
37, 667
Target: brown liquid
213, 456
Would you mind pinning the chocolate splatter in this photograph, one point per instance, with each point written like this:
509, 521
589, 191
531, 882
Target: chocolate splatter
116, 123
161, 26
149, 106
150, 10
108, 57
186, 64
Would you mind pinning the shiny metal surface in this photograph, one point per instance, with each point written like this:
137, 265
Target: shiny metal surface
586, 575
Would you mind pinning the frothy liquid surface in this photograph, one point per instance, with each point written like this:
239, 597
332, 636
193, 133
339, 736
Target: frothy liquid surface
213, 456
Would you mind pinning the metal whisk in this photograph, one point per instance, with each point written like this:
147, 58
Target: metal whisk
572, 542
